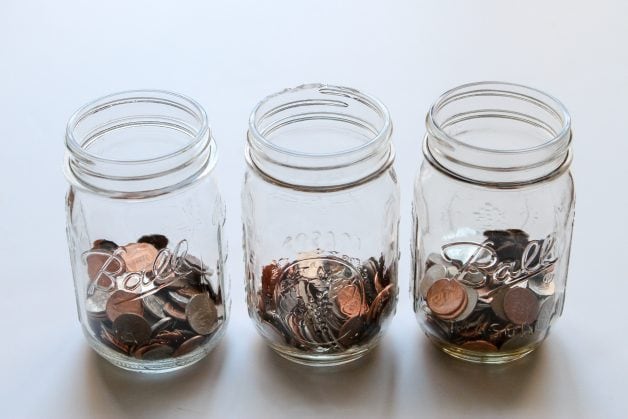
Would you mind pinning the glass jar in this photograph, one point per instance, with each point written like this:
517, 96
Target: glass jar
493, 215
320, 216
145, 230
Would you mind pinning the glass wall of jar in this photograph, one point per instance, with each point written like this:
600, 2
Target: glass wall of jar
493, 215
320, 216
145, 230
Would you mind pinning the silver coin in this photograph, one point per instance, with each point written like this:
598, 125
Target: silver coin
537, 285
201, 314
521, 341
544, 317
432, 275
161, 324
181, 300
477, 279
436, 259
154, 304
472, 300
96, 304
131, 328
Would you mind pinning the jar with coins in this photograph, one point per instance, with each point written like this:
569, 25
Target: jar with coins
493, 214
145, 230
320, 205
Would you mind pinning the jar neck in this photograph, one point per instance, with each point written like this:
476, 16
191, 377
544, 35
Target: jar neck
319, 137
498, 134
138, 144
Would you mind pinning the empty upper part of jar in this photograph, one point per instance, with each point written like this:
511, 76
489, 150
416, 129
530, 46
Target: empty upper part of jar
498, 134
317, 136
138, 144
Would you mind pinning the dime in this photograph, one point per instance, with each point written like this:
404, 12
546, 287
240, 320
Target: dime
479, 346
181, 300
157, 240
132, 329
540, 287
349, 300
445, 297
351, 332
521, 306
174, 312
189, 345
122, 302
472, 300
432, 275
201, 314
139, 257
96, 304
154, 304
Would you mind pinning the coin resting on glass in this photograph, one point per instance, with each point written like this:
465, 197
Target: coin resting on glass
324, 304
149, 303
495, 295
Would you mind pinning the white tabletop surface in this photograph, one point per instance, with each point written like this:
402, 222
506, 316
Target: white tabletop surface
57, 55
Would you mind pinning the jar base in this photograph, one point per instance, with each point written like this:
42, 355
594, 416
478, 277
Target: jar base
152, 367
321, 360
495, 358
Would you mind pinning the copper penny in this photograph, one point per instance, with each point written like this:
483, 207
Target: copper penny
351, 332
521, 306
270, 277
139, 257
479, 346
174, 311
380, 304
155, 352
446, 297
158, 240
122, 302
349, 300
102, 259
201, 314
189, 345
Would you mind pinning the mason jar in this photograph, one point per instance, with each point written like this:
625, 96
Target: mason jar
320, 217
145, 230
493, 215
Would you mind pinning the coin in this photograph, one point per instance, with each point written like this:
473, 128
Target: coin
351, 332
109, 338
181, 300
131, 328
521, 305
497, 304
105, 245
174, 311
139, 257
96, 304
270, 277
479, 346
544, 317
538, 285
433, 274
349, 300
161, 324
154, 304
156, 352
380, 304
189, 345
521, 341
472, 300
105, 260
122, 302
445, 297
157, 240
201, 314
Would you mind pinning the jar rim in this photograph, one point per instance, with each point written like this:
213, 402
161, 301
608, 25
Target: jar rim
180, 101
372, 102
550, 103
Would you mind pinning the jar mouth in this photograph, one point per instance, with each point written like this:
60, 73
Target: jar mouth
498, 133
549, 106
318, 102
158, 97
138, 144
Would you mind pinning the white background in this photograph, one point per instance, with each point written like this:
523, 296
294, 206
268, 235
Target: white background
57, 55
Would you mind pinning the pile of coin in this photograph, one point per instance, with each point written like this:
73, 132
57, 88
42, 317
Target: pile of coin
145, 301
498, 295
322, 303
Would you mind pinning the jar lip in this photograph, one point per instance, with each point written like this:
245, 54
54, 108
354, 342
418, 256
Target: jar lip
375, 104
165, 97
555, 105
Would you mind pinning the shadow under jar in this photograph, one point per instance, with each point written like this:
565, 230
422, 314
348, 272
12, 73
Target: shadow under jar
145, 230
320, 216
493, 216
